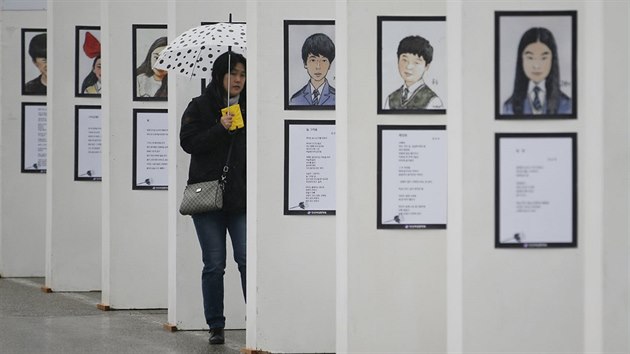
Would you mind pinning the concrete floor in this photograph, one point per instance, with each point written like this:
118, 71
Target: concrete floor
32, 321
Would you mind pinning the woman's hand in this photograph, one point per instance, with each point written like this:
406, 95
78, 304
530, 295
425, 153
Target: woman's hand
226, 120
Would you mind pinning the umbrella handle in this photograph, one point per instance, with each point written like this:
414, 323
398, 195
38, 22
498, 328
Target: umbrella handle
229, 75
229, 71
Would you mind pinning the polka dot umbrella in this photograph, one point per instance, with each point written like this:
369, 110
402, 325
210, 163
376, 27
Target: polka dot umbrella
193, 52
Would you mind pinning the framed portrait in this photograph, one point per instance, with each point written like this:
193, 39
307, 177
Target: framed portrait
535, 190
411, 65
149, 84
34, 62
309, 167
87, 143
87, 61
240, 50
309, 66
412, 177
150, 149
34, 137
535, 64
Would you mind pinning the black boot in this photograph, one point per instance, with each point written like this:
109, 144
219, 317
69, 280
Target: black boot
216, 336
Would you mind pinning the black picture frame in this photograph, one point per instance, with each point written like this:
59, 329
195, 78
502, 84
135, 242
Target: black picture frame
516, 33
145, 39
85, 62
297, 95
34, 139
418, 183
30, 71
529, 159
80, 145
428, 98
317, 176
147, 182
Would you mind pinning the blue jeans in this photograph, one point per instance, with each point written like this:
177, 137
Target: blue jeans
211, 229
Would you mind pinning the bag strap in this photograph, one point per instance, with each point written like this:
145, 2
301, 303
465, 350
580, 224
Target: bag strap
226, 168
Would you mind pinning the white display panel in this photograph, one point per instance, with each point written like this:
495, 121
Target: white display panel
309, 167
150, 149
536, 190
412, 177
34, 137
87, 147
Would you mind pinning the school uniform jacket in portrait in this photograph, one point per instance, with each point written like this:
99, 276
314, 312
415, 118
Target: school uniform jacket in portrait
421, 98
35, 86
304, 97
564, 106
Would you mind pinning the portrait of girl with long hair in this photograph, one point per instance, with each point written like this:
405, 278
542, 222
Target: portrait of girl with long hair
149, 83
543, 76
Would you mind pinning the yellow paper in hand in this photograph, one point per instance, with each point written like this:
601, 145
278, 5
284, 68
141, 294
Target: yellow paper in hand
237, 117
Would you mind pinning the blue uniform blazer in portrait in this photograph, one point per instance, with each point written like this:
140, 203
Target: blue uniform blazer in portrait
304, 97
564, 106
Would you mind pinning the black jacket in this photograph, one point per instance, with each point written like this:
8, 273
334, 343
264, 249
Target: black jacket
207, 141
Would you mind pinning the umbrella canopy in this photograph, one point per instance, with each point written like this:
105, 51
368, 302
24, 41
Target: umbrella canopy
193, 52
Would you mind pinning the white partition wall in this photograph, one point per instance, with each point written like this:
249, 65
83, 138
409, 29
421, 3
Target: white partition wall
615, 160
548, 300
22, 195
538, 292
134, 221
454, 243
184, 255
500, 300
395, 279
73, 217
294, 267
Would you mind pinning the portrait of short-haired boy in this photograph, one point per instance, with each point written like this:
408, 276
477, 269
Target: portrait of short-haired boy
411, 65
415, 54
38, 54
309, 65
318, 53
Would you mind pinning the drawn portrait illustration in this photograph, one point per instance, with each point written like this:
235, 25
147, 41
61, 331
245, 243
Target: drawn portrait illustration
150, 84
34, 62
411, 65
535, 65
309, 54
88, 61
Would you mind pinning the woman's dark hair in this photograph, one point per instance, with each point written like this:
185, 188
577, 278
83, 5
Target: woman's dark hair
220, 68
521, 81
146, 69
91, 78
318, 44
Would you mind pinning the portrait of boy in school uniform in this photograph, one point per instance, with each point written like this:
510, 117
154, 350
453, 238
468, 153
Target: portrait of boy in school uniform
411, 65
309, 65
34, 62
